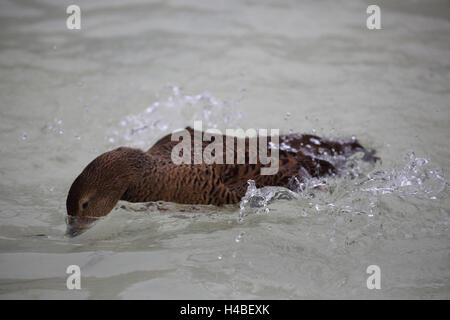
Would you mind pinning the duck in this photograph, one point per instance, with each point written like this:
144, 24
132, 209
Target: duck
132, 175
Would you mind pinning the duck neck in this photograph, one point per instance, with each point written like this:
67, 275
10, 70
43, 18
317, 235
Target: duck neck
144, 182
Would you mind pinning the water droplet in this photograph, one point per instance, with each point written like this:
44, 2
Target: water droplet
239, 237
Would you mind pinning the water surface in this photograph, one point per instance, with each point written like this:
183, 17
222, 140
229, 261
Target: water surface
137, 70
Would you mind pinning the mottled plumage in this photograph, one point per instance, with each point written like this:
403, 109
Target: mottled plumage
137, 176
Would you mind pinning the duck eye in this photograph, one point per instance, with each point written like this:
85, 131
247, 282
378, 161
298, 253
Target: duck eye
84, 205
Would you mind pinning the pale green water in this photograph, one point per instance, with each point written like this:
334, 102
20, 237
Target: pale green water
67, 96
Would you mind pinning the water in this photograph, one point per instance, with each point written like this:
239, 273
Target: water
136, 71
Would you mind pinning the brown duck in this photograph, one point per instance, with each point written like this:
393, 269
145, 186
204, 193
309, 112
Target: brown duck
136, 176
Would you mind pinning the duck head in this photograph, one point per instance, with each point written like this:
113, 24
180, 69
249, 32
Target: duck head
96, 191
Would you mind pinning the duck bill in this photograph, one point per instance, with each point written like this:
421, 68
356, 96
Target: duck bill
74, 230
75, 227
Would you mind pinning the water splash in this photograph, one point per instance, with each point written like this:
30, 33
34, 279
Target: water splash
257, 200
416, 178
357, 189
142, 129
